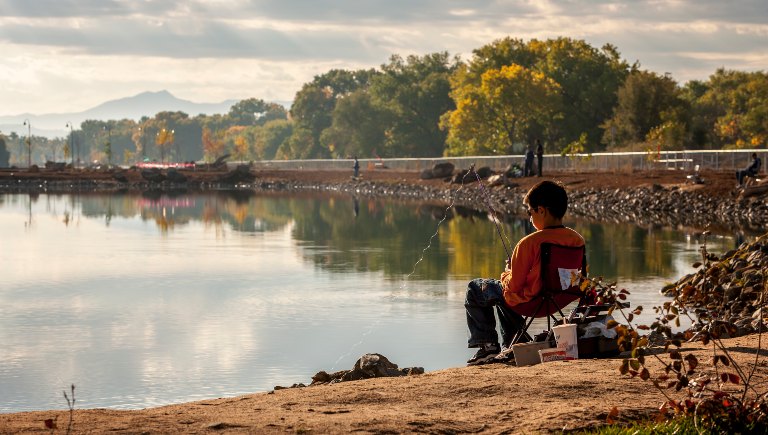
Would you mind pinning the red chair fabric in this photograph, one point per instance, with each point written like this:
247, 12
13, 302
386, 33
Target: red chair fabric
561, 267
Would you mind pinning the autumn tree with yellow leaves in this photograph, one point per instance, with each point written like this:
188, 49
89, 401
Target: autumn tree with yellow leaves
492, 117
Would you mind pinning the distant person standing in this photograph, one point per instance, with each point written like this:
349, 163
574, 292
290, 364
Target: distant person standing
528, 170
750, 171
356, 167
539, 156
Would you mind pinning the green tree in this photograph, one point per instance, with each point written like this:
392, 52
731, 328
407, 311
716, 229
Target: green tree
416, 93
186, 141
701, 116
357, 127
121, 140
492, 117
91, 140
588, 79
253, 111
4, 154
300, 145
269, 138
645, 102
108, 150
738, 102
313, 106
164, 141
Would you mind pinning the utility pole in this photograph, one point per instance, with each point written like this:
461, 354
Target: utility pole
29, 142
108, 145
71, 142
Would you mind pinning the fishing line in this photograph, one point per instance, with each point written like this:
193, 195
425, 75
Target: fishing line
402, 287
494, 216
437, 229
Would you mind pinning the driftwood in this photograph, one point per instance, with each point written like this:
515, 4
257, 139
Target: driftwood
755, 189
241, 174
217, 165
220, 161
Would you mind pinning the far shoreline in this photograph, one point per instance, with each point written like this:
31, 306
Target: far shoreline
649, 198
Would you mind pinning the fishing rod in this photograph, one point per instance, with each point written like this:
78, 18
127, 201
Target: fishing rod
487, 198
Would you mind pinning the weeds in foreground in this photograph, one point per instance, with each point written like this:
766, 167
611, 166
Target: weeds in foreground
718, 394
676, 426
71, 406
51, 423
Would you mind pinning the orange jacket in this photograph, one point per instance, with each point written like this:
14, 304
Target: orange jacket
522, 281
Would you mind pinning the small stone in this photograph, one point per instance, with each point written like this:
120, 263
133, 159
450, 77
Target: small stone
732, 293
321, 377
759, 326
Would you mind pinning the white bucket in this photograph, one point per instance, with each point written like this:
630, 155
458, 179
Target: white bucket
565, 336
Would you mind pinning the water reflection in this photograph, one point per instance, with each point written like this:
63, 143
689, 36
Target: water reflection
158, 298
377, 236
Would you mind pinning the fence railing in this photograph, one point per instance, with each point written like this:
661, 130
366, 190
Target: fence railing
608, 162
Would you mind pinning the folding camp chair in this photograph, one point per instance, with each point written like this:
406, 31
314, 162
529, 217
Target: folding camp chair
561, 267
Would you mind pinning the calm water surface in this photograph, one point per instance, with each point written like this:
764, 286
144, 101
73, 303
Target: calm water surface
143, 300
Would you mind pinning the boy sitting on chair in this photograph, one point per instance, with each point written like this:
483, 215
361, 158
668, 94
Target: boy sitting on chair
546, 202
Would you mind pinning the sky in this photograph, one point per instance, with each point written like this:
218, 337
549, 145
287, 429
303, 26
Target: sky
60, 56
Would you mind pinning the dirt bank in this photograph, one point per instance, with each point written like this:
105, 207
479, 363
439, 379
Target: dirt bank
495, 398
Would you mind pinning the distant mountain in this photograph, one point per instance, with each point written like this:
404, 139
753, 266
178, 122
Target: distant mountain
150, 103
144, 104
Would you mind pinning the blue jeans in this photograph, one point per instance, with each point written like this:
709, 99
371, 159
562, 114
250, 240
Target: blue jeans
742, 173
484, 296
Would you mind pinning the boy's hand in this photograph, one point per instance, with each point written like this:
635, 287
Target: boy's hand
508, 264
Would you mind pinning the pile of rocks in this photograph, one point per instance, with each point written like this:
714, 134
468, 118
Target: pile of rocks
668, 206
370, 365
730, 289
645, 206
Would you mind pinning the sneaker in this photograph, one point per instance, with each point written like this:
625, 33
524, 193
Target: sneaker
486, 353
505, 356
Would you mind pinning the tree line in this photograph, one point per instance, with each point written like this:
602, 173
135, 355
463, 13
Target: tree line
568, 94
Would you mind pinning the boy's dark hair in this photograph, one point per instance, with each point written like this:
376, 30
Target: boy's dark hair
550, 195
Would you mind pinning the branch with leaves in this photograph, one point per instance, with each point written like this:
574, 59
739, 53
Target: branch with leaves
720, 395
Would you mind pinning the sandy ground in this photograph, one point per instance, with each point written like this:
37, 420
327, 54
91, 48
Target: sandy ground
495, 398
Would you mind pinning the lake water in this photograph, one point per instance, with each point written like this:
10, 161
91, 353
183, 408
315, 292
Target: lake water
143, 300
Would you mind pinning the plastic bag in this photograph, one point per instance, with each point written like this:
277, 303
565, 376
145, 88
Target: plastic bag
598, 329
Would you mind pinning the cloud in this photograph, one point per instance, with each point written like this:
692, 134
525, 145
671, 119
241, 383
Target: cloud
328, 11
197, 48
174, 40
366, 31
82, 8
